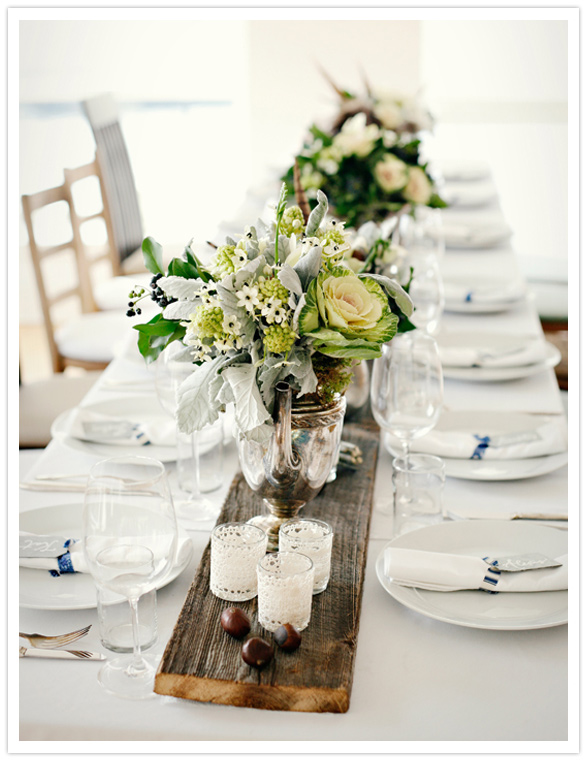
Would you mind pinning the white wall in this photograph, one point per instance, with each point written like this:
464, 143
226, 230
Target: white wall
288, 92
499, 89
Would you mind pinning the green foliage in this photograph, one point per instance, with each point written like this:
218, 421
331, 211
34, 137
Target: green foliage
153, 255
156, 335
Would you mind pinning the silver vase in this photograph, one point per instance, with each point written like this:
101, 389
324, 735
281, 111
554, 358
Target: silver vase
292, 467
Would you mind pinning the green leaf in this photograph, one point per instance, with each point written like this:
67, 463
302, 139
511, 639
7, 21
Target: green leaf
157, 326
182, 269
195, 262
153, 255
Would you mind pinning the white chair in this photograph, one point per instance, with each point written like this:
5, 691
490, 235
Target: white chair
41, 402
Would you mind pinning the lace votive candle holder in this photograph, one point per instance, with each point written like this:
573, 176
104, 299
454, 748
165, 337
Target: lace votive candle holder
285, 583
235, 550
312, 538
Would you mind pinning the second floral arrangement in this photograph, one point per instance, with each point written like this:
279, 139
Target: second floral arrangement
367, 171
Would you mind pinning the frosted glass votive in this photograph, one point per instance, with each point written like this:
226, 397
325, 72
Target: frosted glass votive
312, 538
235, 550
285, 583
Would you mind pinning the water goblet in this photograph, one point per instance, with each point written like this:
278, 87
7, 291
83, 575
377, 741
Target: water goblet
407, 387
130, 543
200, 456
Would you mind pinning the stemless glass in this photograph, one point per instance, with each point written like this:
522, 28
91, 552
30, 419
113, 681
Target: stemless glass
200, 456
407, 387
130, 543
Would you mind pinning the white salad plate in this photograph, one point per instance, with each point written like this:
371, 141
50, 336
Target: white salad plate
143, 409
476, 608
491, 423
39, 590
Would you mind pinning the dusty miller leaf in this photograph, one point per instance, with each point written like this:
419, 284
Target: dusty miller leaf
317, 214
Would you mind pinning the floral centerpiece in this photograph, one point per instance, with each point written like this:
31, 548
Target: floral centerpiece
280, 304
390, 110
368, 171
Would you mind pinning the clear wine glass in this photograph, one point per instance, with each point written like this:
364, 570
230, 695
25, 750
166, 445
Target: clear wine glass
130, 543
407, 387
426, 289
200, 456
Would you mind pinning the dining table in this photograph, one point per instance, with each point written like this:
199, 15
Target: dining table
420, 682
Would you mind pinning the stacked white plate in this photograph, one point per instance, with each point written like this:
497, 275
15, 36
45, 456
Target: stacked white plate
474, 356
487, 296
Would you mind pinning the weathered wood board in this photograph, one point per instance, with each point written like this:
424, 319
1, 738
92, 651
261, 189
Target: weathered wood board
201, 662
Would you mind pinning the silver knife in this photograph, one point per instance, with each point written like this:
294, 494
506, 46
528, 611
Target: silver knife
54, 654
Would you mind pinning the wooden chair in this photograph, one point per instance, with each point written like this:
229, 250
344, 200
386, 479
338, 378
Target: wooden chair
111, 292
91, 339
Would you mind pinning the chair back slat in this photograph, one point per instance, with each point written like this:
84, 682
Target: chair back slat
117, 174
30, 204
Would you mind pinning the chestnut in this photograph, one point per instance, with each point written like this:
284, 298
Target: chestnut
257, 652
235, 622
287, 637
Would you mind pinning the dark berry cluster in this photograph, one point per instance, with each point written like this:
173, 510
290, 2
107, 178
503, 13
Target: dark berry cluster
135, 296
157, 293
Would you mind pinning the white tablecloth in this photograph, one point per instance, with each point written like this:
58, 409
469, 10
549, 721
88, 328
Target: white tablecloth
416, 679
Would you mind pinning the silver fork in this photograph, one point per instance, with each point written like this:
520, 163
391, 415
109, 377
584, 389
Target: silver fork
55, 641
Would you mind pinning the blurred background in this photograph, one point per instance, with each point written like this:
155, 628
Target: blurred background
208, 110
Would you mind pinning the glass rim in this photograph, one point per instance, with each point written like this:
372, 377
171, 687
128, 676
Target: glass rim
319, 522
251, 527
285, 553
93, 476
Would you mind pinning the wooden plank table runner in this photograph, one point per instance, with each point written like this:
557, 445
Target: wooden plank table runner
203, 663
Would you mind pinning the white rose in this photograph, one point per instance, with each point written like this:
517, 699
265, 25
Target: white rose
391, 173
356, 137
389, 114
419, 188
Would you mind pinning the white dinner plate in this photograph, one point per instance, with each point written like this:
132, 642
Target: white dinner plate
464, 171
138, 409
476, 608
551, 358
475, 236
491, 423
468, 195
39, 590
482, 308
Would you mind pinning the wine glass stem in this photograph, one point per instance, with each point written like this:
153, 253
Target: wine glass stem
406, 450
137, 664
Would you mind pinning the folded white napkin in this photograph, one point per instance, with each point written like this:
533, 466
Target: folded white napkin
484, 294
73, 558
445, 572
546, 439
515, 354
90, 426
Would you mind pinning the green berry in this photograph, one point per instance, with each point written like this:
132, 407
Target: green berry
207, 322
292, 221
279, 339
272, 288
222, 263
